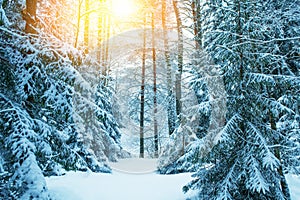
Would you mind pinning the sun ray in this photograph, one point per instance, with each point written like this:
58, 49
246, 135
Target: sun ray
123, 8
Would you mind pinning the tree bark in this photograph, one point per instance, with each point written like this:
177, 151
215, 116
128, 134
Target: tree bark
99, 38
78, 23
180, 60
106, 62
154, 87
170, 116
103, 44
142, 111
197, 24
86, 27
240, 33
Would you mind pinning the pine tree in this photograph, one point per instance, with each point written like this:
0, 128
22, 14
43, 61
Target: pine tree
39, 132
109, 125
181, 152
179, 156
247, 161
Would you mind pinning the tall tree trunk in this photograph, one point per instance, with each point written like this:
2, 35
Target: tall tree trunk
103, 44
99, 38
78, 23
240, 40
103, 36
197, 23
180, 60
86, 27
108, 21
30, 16
103, 33
106, 59
142, 111
154, 87
170, 115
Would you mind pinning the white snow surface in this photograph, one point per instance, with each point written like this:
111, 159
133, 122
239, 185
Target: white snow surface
131, 179
294, 185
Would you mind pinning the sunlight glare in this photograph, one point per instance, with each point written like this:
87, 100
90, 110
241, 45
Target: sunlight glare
123, 8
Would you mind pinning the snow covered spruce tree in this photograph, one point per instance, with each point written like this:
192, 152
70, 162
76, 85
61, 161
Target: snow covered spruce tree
180, 152
39, 124
104, 98
255, 43
38, 133
95, 110
179, 156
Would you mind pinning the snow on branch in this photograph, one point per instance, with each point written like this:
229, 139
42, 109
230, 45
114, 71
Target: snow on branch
260, 78
3, 19
273, 104
256, 181
256, 41
269, 160
228, 184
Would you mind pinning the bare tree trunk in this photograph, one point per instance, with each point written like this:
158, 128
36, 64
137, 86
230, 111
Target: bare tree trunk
239, 32
180, 60
103, 44
142, 112
78, 23
86, 27
197, 24
99, 38
170, 115
103, 36
30, 16
154, 87
102, 53
106, 62
108, 21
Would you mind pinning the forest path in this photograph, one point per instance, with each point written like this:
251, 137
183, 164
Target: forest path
134, 165
132, 179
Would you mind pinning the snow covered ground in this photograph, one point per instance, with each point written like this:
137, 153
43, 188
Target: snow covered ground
132, 179
294, 184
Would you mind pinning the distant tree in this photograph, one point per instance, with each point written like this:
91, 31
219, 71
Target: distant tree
86, 26
170, 106
198, 18
154, 84
181, 152
143, 76
178, 77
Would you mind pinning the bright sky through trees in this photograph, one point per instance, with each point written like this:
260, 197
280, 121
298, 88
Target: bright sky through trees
123, 8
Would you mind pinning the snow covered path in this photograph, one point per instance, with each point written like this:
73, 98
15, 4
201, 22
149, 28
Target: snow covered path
132, 179
294, 184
